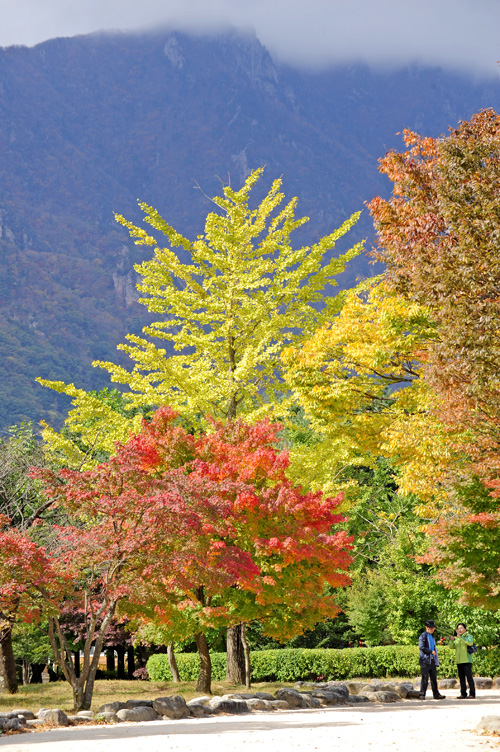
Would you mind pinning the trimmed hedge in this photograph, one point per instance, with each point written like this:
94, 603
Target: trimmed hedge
324, 664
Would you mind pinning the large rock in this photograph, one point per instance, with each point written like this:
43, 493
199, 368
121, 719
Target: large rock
86, 713
354, 687
311, 702
80, 720
255, 703
339, 687
138, 714
23, 711
108, 716
496, 682
329, 697
279, 704
354, 699
139, 704
291, 696
53, 715
111, 707
223, 705
11, 724
204, 700
483, 682
382, 696
489, 723
447, 683
199, 711
263, 696
171, 707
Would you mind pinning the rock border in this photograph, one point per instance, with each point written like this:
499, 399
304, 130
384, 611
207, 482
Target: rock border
304, 695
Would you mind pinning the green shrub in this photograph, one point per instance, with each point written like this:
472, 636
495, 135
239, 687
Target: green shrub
324, 664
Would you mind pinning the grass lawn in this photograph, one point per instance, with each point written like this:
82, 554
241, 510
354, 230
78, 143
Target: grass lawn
59, 695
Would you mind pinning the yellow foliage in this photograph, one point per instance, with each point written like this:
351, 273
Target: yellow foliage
359, 379
227, 304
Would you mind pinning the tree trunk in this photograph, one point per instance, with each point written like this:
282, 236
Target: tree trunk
205, 676
130, 662
27, 672
173, 663
235, 665
246, 651
120, 663
7, 661
76, 657
110, 659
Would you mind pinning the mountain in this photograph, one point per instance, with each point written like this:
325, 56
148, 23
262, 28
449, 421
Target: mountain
90, 124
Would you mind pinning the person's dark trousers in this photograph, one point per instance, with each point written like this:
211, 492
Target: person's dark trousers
465, 673
428, 671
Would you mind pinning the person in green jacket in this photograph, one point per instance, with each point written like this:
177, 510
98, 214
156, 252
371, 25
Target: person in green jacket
464, 661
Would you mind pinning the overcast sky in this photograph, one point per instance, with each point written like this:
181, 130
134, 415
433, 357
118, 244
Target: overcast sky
462, 34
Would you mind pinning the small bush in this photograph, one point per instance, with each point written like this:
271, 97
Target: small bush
324, 664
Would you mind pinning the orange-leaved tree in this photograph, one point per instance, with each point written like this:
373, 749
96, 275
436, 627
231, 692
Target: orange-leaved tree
205, 530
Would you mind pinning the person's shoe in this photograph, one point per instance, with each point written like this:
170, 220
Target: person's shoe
462, 697
421, 697
471, 697
440, 697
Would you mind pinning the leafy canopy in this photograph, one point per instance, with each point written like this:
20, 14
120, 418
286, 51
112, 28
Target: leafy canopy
227, 304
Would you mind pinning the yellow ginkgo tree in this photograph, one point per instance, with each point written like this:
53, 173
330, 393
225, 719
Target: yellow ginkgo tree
227, 304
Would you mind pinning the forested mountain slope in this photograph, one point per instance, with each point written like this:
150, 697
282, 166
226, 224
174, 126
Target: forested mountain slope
90, 124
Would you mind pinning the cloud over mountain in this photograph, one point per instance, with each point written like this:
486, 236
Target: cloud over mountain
456, 34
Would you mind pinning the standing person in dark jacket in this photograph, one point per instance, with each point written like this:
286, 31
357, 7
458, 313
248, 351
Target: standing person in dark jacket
429, 661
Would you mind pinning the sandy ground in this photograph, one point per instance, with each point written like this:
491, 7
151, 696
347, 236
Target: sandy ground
441, 725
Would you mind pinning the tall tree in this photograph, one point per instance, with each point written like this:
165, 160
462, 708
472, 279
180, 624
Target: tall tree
228, 303
438, 236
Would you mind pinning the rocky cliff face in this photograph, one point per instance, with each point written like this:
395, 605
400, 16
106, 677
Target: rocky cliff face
88, 125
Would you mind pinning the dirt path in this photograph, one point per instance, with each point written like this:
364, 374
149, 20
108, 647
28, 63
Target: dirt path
444, 726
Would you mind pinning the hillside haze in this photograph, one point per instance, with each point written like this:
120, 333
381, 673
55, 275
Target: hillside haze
90, 124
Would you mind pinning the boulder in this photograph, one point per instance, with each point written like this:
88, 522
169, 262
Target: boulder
232, 706
447, 683
171, 707
53, 715
86, 713
483, 682
139, 704
496, 682
263, 696
354, 687
204, 701
111, 707
137, 715
279, 705
311, 702
32, 723
198, 711
489, 724
108, 716
80, 720
26, 713
339, 687
254, 703
329, 697
382, 696
354, 699
291, 696
11, 724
